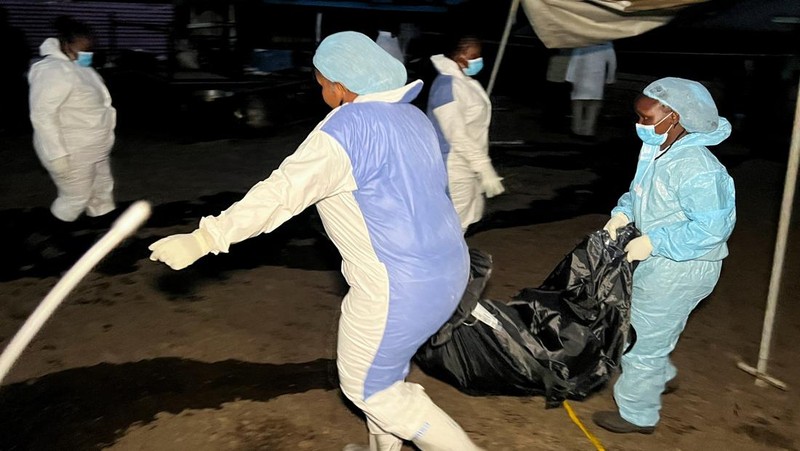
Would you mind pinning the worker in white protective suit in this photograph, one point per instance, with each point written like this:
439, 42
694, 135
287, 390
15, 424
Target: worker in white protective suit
73, 123
374, 171
589, 70
461, 112
684, 202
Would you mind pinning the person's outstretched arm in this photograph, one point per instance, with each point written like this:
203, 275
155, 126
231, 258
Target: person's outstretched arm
319, 168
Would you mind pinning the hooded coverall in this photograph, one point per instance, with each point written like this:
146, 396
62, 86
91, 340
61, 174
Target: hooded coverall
461, 112
684, 200
381, 194
73, 122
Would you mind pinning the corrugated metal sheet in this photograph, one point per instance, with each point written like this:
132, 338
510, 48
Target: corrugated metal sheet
117, 25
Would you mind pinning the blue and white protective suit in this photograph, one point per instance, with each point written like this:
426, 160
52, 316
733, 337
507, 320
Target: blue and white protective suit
684, 200
461, 112
381, 194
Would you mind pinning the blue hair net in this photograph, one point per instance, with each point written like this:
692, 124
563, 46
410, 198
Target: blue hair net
689, 99
357, 62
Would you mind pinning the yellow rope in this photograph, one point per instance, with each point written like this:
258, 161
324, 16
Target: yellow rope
576, 420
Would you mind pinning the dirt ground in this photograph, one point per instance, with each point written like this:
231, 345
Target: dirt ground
238, 351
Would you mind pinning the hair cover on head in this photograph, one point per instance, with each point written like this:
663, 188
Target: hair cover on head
689, 99
357, 62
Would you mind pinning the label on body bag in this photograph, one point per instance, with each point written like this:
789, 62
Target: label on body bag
485, 316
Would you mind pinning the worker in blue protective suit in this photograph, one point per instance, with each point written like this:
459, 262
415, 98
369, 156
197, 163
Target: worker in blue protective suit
683, 201
374, 171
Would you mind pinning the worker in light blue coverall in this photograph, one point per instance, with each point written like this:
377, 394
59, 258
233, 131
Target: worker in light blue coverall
683, 201
374, 171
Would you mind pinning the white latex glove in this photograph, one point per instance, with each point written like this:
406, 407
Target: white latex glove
492, 186
490, 181
60, 165
638, 249
616, 221
181, 250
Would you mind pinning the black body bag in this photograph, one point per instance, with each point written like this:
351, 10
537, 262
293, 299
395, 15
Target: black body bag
562, 340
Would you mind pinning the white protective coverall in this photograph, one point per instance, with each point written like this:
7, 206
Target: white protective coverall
73, 132
461, 113
589, 70
381, 194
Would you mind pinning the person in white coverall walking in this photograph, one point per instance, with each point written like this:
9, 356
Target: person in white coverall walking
73, 123
461, 112
589, 70
374, 171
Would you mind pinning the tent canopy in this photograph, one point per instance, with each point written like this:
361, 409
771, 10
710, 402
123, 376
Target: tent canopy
632, 6
570, 23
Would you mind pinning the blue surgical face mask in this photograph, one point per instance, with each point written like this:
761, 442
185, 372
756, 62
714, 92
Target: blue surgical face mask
473, 67
648, 135
84, 59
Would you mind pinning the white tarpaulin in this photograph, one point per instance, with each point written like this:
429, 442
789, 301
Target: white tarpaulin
575, 23
630, 6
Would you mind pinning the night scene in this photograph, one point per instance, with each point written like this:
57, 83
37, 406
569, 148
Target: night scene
385, 225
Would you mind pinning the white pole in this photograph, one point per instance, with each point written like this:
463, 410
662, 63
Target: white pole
125, 225
512, 16
780, 244
780, 251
